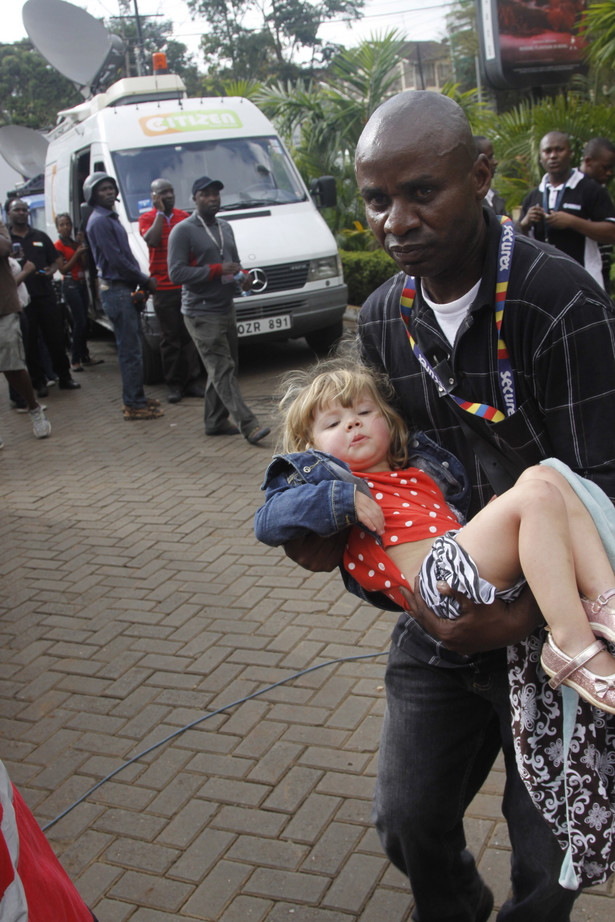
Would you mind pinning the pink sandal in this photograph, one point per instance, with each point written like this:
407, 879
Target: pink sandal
565, 670
601, 614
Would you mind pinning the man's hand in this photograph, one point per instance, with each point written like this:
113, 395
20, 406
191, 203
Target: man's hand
479, 628
312, 552
247, 282
534, 214
230, 268
157, 202
151, 284
369, 512
560, 219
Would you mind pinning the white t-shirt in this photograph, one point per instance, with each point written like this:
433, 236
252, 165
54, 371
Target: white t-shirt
450, 316
22, 291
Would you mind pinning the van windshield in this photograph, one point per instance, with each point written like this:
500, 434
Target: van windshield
255, 172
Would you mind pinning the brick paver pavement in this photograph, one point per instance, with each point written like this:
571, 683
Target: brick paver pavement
135, 600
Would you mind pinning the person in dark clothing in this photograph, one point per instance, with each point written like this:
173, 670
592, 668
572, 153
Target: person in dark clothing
502, 351
203, 258
180, 359
568, 209
119, 275
43, 313
598, 163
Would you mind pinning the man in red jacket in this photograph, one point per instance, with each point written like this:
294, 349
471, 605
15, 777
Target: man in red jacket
180, 359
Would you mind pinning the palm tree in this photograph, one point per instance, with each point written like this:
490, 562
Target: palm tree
517, 135
322, 120
599, 30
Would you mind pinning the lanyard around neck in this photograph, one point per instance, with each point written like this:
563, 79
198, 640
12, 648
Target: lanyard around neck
505, 375
558, 198
218, 243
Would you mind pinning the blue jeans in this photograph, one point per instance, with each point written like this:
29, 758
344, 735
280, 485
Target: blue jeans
118, 306
442, 730
76, 296
215, 337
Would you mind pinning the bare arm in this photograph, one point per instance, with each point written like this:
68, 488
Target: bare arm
153, 236
65, 266
480, 627
600, 231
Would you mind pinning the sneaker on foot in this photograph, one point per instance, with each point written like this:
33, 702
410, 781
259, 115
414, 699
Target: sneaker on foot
147, 412
40, 424
257, 434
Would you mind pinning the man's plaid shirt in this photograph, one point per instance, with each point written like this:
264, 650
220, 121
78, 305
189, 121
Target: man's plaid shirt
559, 328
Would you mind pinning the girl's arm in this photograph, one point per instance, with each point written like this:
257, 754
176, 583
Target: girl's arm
65, 266
292, 511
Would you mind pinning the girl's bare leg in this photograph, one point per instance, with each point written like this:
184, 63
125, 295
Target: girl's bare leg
542, 529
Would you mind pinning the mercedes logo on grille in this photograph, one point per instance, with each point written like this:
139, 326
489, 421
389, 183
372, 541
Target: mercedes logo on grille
259, 280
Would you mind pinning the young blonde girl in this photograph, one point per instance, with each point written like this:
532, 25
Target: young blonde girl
539, 531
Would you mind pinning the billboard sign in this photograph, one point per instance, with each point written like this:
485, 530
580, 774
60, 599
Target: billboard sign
530, 42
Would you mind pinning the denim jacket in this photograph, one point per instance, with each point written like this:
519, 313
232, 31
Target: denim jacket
326, 505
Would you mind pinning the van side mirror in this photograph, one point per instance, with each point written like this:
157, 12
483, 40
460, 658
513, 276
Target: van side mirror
324, 192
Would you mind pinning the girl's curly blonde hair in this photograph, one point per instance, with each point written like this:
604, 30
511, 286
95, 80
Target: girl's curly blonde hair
312, 389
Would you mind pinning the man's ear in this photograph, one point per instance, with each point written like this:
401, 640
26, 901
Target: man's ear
482, 176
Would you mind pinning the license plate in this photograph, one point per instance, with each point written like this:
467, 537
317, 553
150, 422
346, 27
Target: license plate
263, 325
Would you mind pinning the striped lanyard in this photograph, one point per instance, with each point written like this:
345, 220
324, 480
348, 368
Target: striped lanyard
546, 196
505, 375
220, 243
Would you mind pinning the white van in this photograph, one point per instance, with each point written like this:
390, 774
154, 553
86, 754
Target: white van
143, 128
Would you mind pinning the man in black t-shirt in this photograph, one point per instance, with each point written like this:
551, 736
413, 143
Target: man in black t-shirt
598, 163
43, 313
568, 209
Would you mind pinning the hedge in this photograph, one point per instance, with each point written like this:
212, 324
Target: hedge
364, 272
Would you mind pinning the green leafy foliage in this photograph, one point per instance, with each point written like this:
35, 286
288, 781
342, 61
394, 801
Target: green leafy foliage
517, 134
260, 39
31, 91
364, 272
321, 122
599, 30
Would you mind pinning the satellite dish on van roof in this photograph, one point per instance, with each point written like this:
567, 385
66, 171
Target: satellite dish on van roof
74, 43
24, 149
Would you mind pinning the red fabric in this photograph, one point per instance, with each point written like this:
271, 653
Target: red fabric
49, 891
77, 272
158, 255
414, 508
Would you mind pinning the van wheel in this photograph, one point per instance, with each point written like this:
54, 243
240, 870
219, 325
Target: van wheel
152, 363
324, 341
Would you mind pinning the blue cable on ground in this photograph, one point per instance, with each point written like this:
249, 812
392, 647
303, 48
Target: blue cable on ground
225, 707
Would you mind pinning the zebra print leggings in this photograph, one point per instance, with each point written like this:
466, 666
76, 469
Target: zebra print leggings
448, 561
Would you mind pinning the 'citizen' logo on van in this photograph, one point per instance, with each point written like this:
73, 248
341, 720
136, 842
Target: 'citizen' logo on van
174, 122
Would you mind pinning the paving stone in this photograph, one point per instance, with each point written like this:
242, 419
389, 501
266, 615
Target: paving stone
332, 848
355, 882
141, 856
202, 855
240, 819
246, 909
151, 890
224, 883
267, 853
287, 885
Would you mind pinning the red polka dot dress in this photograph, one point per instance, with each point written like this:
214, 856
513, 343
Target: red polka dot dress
414, 508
